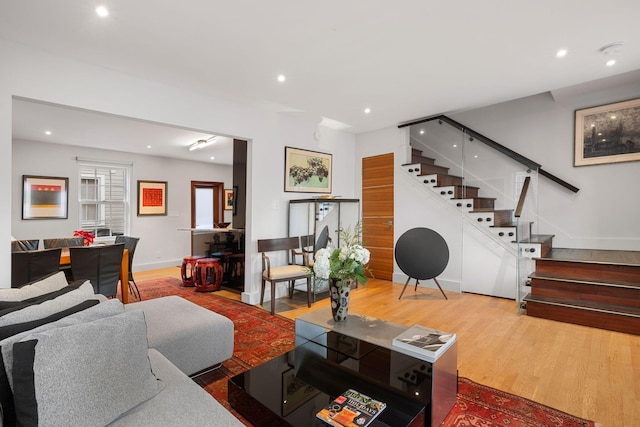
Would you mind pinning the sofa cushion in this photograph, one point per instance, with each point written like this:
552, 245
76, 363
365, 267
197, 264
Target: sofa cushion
109, 308
182, 402
45, 285
86, 374
191, 337
47, 308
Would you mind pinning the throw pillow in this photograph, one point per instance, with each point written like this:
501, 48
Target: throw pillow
101, 370
106, 309
7, 307
45, 285
47, 308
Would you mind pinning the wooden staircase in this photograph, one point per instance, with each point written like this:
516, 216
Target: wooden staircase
594, 288
481, 209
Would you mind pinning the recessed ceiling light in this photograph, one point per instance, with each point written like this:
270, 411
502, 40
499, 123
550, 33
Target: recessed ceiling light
367, 110
561, 53
611, 63
102, 11
212, 158
421, 131
47, 132
148, 146
282, 78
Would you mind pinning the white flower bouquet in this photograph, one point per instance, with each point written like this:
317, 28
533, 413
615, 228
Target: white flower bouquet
347, 262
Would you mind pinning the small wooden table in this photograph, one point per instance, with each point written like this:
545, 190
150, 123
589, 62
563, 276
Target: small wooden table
65, 259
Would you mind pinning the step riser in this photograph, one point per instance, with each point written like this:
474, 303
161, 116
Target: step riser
629, 297
431, 169
416, 158
587, 271
594, 319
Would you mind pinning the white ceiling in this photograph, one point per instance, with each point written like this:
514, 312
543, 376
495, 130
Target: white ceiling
404, 59
73, 126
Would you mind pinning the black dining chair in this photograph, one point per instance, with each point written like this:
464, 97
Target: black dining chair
29, 266
63, 242
25, 245
130, 244
100, 265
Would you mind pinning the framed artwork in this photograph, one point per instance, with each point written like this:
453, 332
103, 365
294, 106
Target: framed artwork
307, 171
608, 134
295, 392
45, 197
229, 197
152, 198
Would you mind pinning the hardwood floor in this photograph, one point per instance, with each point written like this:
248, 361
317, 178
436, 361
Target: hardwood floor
587, 372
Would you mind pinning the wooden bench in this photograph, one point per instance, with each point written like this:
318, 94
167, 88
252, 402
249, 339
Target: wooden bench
284, 273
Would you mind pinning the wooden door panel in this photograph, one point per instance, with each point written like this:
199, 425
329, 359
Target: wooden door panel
378, 171
381, 263
377, 213
377, 201
377, 232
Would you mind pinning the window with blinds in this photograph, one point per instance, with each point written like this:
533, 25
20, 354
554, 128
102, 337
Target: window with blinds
104, 199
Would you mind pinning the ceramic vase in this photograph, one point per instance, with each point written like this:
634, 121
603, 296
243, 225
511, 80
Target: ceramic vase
339, 292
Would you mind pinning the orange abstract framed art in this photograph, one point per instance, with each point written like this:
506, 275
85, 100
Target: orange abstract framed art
152, 198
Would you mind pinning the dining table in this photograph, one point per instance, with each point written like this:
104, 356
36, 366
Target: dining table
65, 260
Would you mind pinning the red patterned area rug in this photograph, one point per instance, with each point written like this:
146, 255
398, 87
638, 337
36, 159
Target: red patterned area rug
260, 337
481, 406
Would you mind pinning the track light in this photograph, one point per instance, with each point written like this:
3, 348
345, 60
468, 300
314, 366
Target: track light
201, 143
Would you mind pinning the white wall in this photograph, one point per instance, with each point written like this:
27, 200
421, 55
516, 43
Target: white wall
154, 249
33, 74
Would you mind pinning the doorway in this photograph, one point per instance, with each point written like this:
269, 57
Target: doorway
206, 204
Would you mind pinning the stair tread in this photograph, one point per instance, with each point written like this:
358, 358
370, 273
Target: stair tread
583, 304
538, 238
589, 281
473, 198
496, 211
459, 186
595, 256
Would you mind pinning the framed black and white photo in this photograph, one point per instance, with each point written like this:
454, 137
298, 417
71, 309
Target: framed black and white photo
608, 133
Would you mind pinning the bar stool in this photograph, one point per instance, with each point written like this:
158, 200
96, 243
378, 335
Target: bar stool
208, 274
187, 271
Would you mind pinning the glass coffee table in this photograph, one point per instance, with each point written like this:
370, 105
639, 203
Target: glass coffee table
330, 358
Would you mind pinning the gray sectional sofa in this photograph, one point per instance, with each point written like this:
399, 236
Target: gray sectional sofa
73, 358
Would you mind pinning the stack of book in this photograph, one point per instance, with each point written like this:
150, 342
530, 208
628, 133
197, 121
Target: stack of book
426, 343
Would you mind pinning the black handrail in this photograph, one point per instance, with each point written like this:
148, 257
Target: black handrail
501, 148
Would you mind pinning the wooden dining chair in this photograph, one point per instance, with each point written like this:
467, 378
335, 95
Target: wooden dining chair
287, 272
100, 265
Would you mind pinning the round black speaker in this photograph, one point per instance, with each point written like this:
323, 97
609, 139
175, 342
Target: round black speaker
421, 253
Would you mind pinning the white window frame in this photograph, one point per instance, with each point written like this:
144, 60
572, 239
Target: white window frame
100, 201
